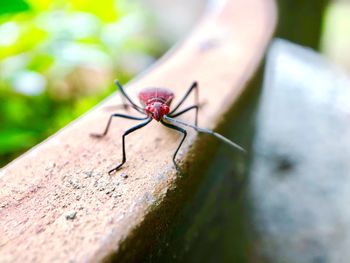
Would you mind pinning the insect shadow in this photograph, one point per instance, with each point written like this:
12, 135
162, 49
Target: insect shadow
156, 106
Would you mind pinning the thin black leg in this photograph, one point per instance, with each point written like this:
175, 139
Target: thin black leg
110, 120
124, 103
133, 104
126, 106
139, 126
196, 107
183, 138
123, 106
194, 87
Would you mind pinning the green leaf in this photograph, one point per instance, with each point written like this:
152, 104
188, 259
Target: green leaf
13, 6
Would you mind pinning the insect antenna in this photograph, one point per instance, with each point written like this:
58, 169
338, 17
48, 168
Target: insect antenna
133, 104
203, 130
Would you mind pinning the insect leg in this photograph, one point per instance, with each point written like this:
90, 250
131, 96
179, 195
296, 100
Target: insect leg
194, 87
203, 130
139, 126
126, 106
182, 140
110, 120
133, 104
123, 106
196, 107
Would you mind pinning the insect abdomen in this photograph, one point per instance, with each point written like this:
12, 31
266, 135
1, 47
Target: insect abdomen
149, 95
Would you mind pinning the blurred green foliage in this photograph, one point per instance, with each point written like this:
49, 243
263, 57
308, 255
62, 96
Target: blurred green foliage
13, 6
59, 58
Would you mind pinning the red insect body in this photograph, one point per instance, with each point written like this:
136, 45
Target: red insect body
156, 101
155, 104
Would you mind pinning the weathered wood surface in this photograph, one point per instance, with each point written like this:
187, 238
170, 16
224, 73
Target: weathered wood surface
300, 176
57, 202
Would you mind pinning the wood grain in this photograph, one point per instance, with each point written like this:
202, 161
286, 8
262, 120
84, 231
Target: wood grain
57, 202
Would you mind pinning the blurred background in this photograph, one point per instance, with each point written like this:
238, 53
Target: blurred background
59, 58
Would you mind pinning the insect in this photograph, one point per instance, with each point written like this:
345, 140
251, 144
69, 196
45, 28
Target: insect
156, 105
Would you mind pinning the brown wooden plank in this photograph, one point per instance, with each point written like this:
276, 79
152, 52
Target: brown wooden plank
67, 174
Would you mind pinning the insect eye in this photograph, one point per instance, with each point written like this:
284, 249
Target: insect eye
165, 109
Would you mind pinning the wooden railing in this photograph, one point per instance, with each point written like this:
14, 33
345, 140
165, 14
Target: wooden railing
58, 203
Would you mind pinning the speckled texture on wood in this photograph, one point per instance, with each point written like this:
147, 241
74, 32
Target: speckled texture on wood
57, 202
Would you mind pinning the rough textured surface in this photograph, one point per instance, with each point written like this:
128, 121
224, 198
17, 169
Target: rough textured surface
300, 176
57, 202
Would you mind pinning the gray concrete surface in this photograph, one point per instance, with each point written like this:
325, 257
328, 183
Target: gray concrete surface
300, 176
